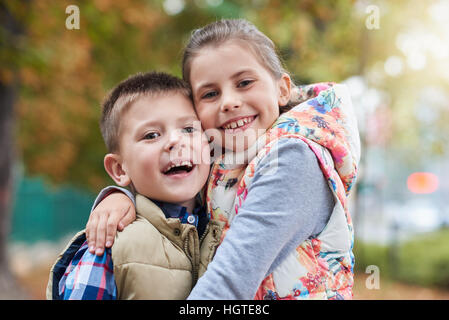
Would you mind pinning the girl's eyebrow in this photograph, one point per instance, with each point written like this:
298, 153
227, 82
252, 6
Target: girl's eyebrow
206, 85
235, 75
239, 73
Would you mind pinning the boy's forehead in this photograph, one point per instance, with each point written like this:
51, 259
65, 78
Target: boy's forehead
162, 106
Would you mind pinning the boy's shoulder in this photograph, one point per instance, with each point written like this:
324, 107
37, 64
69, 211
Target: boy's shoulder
150, 239
133, 239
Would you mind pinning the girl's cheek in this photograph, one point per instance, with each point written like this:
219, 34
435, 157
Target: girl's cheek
207, 120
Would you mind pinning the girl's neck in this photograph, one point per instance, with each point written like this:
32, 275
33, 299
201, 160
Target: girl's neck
234, 159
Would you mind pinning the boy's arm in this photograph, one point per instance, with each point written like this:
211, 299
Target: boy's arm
114, 208
89, 277
280, 212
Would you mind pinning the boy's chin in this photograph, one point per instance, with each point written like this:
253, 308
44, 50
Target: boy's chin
180, 198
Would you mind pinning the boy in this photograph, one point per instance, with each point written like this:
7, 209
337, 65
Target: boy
156, 147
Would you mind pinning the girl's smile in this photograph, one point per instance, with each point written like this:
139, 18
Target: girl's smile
238, 124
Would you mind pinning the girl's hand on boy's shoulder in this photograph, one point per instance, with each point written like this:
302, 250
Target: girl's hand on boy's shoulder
113, 213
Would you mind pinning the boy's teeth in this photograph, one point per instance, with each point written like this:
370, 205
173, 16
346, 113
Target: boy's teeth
183, 163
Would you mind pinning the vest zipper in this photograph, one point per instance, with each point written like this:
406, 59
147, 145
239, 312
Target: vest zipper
204, 234
194, 264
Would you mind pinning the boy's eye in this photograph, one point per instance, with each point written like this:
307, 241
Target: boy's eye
151, 135
209, 94
244, 83
189, 129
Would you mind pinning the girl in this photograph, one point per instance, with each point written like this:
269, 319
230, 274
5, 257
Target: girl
283, 180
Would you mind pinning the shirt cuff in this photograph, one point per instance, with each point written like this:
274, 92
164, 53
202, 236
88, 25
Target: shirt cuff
110, 189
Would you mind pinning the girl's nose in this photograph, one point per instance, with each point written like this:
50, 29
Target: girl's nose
230, 102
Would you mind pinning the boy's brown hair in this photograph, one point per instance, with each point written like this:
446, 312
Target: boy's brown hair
126, 93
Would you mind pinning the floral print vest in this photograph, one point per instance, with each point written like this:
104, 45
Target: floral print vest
320, 267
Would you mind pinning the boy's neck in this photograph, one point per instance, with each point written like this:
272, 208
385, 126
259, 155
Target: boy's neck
189, 204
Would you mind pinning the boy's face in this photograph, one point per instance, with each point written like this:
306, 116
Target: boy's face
163, 149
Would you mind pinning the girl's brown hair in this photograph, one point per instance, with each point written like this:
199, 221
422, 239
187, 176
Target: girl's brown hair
216, 33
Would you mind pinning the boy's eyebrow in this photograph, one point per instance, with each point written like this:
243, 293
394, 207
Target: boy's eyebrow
151, 123
148, 123
188, 118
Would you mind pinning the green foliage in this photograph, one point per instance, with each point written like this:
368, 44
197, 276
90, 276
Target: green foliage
367, 254
424, 260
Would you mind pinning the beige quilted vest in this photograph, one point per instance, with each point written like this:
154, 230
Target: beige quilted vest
158, 258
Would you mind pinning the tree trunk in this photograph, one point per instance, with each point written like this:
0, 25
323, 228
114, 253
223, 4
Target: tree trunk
9, 288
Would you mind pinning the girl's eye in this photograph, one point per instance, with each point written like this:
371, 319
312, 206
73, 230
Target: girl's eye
244, 83
151, 135
209, 95
189, 129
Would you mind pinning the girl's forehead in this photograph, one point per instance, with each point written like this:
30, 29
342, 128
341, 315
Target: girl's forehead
225, 59
229, 46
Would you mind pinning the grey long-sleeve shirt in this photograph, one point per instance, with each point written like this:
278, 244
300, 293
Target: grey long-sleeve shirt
279, 213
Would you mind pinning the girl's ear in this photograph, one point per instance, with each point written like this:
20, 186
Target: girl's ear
285, 84
113, 166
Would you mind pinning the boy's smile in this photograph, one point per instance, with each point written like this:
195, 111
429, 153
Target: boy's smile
163, 149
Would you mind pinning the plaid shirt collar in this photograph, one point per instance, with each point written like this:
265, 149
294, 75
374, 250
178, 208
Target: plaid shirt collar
172, 210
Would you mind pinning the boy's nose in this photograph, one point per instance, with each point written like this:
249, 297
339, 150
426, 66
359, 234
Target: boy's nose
175, 141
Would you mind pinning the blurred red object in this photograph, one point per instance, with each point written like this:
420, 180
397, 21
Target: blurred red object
422, 182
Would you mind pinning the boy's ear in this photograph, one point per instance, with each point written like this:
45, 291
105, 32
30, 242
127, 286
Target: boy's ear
285, 84
113, 166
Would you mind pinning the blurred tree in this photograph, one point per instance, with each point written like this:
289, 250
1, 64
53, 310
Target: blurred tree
65, 73
9, 288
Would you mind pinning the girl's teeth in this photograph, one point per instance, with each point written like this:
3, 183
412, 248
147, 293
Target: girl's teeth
238, 123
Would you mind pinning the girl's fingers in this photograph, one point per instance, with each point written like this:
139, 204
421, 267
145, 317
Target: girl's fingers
111, 227
101, 234
91, 232
129, 217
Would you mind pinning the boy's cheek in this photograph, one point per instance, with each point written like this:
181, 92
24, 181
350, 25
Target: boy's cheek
205, 153
201, 152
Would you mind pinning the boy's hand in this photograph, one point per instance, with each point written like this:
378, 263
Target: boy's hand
116, 211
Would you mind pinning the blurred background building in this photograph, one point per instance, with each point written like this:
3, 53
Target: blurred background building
393, 55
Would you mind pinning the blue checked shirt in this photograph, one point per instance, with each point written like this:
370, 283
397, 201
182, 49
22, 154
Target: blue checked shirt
90, 277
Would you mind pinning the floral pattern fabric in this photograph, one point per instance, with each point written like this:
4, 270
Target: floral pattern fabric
322, 267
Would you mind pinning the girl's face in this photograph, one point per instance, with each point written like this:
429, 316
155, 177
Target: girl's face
235, 94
